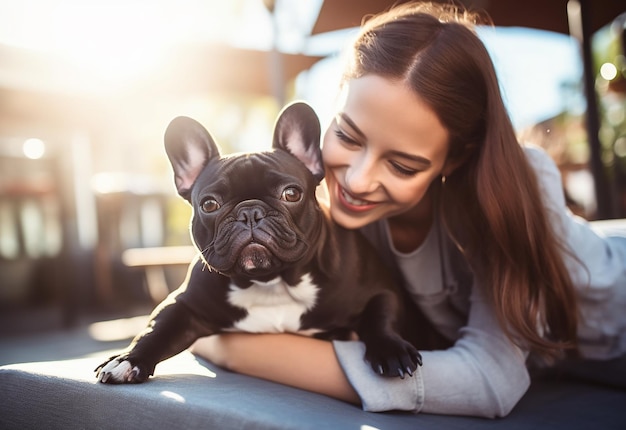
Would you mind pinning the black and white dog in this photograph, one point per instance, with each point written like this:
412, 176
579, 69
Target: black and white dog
271, 260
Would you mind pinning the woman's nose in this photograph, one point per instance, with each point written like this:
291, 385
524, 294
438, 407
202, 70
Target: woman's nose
361, 177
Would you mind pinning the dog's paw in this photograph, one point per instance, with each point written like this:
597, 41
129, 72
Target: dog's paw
393, 357
119, 370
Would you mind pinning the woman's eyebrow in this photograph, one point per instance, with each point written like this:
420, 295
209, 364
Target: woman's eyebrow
415, 158
351, 123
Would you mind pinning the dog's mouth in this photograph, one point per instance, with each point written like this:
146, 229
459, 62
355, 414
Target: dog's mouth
252, 259
255, 259
256, 250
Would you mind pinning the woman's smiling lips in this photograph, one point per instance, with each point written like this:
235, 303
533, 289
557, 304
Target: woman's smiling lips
352, 203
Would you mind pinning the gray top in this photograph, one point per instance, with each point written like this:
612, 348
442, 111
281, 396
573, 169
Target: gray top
484, 373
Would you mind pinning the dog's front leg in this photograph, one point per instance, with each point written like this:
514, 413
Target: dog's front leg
171, 330
386, 351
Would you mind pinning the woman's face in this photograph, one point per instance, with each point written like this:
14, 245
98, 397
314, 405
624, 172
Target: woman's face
381, 152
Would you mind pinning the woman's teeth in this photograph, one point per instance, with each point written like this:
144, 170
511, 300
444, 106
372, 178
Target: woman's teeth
352, 200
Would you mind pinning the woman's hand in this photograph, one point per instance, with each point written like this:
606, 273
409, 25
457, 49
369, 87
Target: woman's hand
298, 361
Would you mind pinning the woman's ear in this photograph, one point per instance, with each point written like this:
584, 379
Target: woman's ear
453, 163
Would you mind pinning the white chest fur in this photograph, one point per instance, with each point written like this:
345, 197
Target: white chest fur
274, 306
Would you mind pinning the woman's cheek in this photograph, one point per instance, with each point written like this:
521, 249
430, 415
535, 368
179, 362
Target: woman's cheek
334, 154
329, 152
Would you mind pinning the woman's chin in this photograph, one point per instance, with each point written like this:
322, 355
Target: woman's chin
349, 221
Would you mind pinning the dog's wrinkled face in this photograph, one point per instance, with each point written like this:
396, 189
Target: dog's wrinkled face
254, 214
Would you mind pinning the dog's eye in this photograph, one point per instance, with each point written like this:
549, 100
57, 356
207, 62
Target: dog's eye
291, 194
210, 205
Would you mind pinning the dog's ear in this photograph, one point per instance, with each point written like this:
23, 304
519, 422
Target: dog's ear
297, 130
189, 147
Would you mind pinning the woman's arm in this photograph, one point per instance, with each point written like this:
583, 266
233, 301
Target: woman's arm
298, 361
483, 374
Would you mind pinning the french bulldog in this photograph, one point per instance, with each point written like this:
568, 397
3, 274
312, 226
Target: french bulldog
270, 258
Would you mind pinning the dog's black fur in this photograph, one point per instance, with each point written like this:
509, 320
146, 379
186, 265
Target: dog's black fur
267, 250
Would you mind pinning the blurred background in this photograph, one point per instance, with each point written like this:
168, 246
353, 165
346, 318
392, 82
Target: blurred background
92, 231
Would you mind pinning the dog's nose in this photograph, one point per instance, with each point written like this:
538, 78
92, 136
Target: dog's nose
250, 215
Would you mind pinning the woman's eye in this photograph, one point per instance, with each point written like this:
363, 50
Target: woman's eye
402, 170
291, 194
345, 138
210, 205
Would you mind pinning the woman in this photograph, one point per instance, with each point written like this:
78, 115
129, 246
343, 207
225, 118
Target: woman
423, 158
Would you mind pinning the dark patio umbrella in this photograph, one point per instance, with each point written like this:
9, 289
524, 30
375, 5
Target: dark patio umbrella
540, 14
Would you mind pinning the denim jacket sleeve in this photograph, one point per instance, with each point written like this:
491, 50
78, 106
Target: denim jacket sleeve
484, 374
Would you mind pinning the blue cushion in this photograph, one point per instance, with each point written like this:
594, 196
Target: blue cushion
188, 393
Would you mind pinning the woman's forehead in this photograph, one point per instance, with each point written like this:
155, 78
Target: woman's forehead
386, 110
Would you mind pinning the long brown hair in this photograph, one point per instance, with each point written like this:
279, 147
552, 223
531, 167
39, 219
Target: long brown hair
491, 204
